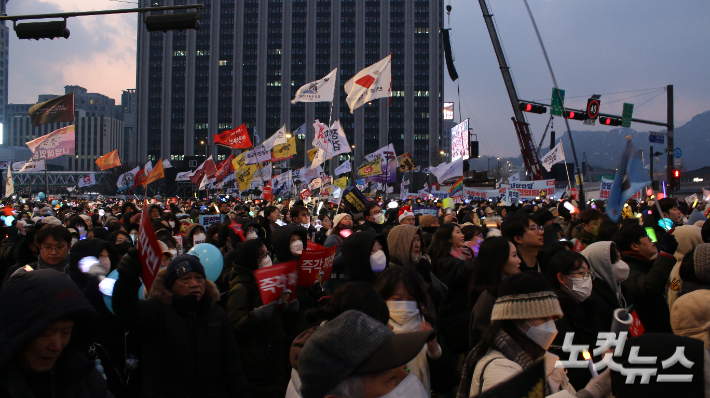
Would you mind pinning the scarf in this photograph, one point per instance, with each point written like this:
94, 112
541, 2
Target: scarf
508, 347
418, 366
460, 253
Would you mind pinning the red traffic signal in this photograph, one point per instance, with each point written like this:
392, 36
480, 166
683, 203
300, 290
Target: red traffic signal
576, 115
609, 121
676, 173
534, 108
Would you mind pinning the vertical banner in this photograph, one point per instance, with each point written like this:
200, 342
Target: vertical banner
149, 252
277, 283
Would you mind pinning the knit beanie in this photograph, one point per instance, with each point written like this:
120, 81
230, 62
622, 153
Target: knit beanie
525, 295
338, 218
426, 220
181, 265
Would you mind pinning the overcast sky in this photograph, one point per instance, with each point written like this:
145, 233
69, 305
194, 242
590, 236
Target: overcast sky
599, 47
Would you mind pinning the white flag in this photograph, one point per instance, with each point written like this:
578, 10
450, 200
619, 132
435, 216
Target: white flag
148, 167
204, 184
319, 159
336, 193
343, 168
262, 154
125, 180
184, 176
278, 138
166, 164
315, 184
318, 91
250, 157
445, 171
33, 165
337, 142
514, 177
556, 155
371, 83
9, 185
87, 180
320, 138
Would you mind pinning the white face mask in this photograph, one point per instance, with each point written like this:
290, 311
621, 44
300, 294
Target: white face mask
198, 238
402, 311
380, 218
543, 334
296, 247
172, 224
252, 235
409, 387
378, 261
265, 262
581, 289
620, 270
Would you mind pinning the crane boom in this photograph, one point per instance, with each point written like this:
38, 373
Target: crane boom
527, 146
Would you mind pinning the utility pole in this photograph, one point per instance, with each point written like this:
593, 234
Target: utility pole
671, 145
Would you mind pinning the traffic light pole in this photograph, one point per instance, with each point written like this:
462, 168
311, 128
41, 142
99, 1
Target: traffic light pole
16, 18
671, 144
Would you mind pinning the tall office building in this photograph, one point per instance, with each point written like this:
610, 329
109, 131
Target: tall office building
250, 56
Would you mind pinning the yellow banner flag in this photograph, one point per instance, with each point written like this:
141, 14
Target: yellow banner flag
156, 174
341, 182
239, 162
245, 175
406, 163
371, 168
284, 151
312, 153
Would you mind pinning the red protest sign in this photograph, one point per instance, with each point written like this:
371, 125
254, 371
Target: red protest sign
268, 191
579, 246
636, 329
149, 252
305, 193
276, 282
316, 264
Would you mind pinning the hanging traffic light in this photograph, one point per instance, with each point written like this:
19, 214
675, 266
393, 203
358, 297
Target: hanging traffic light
609, 121
166, 22
42, 30
576, 115
533, 108
676, 179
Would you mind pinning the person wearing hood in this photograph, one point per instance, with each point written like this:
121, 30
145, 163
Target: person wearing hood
46, 324
288, 242
608, 292
54, 243
365, 255
196, 234
688, 237
429, 224
188, 346
571, 278
259, 328
121, 240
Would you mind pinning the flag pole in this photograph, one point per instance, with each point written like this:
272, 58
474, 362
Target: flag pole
566, 169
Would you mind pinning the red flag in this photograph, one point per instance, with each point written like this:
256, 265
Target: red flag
237, 138
149, 252
206, 168
275, 280
138, 178
224, 168
268, 191
237, 228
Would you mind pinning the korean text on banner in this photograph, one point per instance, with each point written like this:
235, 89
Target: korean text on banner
373, 167
355, 198
149, 252
320, 90
59, 109
208, 219
236, 139
277, 283
316, 265
53, 145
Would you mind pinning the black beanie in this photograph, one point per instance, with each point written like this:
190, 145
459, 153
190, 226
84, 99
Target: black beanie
181, 265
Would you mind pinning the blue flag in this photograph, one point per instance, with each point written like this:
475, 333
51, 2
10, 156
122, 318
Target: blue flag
630, 178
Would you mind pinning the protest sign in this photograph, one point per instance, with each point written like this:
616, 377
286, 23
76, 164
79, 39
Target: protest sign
208, 219
277, 283
316, 264
149, 252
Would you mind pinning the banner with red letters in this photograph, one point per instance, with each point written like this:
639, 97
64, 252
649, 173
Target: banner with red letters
277, 283
149, 252
316, 264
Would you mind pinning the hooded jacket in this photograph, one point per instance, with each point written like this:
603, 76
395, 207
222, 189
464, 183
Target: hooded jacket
188, 347
263, 345
646, 282
30, 303
356, 251
399, 242
281, 241
688, 237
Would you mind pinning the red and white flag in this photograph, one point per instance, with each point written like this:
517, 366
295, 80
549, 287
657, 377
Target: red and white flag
87, 180
371, 83
207, 168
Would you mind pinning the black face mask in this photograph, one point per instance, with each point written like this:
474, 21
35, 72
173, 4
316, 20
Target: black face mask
123, 247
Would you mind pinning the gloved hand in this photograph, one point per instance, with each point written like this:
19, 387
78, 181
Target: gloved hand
423, 267
130, 266
598, 387
669, 244
265, 311
293, 306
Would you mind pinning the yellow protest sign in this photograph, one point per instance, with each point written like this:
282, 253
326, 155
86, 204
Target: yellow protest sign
371, 168
341, 182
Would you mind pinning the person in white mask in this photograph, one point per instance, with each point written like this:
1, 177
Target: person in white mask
356, 356
522, 330
572, 278
365, 255
407, 301
610, 271
374, 217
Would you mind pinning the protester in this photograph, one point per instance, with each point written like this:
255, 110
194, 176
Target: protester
688, 237
322, 233
528, 238
365, 255
54, 243
587, 230
374, 218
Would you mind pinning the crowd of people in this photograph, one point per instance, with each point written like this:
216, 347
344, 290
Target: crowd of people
422, 300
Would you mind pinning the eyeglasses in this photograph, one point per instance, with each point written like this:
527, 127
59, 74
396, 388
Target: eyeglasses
585, 275
53, 249
303, 215
536, 228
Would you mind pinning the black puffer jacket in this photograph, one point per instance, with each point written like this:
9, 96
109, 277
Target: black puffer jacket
281, 242
30, 302
188, 347
356, 251
454, 312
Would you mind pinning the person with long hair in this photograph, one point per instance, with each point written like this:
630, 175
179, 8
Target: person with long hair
452, 264
497, 260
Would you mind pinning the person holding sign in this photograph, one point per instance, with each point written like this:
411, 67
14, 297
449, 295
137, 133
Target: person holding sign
182, 329
258, 327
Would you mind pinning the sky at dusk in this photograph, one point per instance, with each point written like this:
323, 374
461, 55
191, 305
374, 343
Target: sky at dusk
620, 49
